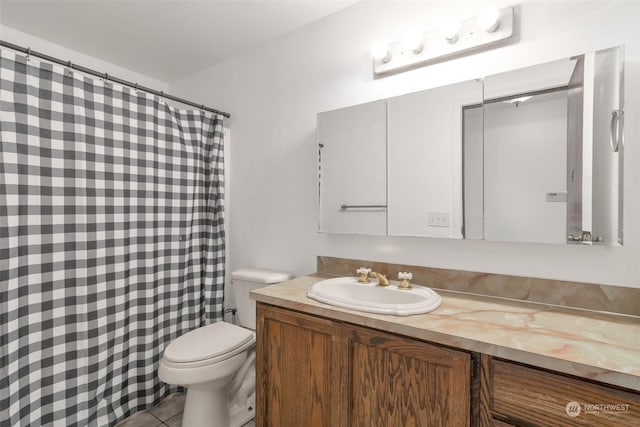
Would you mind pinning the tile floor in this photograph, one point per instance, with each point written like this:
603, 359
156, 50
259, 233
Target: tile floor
167, 414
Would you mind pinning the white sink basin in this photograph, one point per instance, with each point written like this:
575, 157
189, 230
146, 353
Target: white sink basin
346, 292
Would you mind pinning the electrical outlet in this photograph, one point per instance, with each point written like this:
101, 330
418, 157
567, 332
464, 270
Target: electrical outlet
438, 219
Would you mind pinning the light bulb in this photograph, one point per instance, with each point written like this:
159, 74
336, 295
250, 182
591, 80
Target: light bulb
489, 21
450, 30
412, 41
380, 52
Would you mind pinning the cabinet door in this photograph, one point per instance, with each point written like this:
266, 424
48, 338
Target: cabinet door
397, 381
607, 165
353, 169
299, 370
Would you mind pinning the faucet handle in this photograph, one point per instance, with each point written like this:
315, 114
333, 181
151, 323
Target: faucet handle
404, 280
364, 274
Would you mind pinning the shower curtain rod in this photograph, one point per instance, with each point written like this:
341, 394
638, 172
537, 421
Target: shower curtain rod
107, 77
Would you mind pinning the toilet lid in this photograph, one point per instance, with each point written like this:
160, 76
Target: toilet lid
207, 342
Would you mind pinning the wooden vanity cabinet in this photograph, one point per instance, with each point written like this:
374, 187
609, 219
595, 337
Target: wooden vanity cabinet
313, 371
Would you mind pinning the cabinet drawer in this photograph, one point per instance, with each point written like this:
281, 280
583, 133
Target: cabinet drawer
538, 397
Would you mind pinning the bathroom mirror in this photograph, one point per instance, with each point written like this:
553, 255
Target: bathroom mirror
387, 167
529, 155
352, 169
548, 152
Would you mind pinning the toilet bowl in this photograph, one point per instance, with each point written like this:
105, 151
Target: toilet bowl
216, 363
205, 360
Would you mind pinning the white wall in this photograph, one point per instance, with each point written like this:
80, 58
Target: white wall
275, 92
37, 44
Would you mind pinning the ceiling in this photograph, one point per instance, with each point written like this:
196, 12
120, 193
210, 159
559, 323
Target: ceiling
162, 39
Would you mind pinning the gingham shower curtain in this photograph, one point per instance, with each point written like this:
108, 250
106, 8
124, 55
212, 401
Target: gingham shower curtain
111, 242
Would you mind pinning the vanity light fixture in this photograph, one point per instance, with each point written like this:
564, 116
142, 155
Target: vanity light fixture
450, 31
452, 39
413, 41
380, 52
489, 20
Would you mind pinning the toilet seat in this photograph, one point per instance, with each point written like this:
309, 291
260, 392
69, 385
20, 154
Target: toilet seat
208, 345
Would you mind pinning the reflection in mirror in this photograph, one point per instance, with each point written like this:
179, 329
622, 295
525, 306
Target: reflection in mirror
540, 159
424, 160
393, 167
530, 155
352, 180
523, 168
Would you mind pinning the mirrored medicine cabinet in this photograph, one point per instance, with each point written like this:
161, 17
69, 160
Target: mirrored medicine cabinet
528, 155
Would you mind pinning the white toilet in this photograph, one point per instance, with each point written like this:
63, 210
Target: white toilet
217, 362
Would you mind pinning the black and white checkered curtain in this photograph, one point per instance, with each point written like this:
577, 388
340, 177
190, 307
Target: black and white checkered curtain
111, 242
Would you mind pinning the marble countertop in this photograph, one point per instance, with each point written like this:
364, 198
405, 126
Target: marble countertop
594, 345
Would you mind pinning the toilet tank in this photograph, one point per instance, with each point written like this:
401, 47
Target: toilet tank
246, 280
